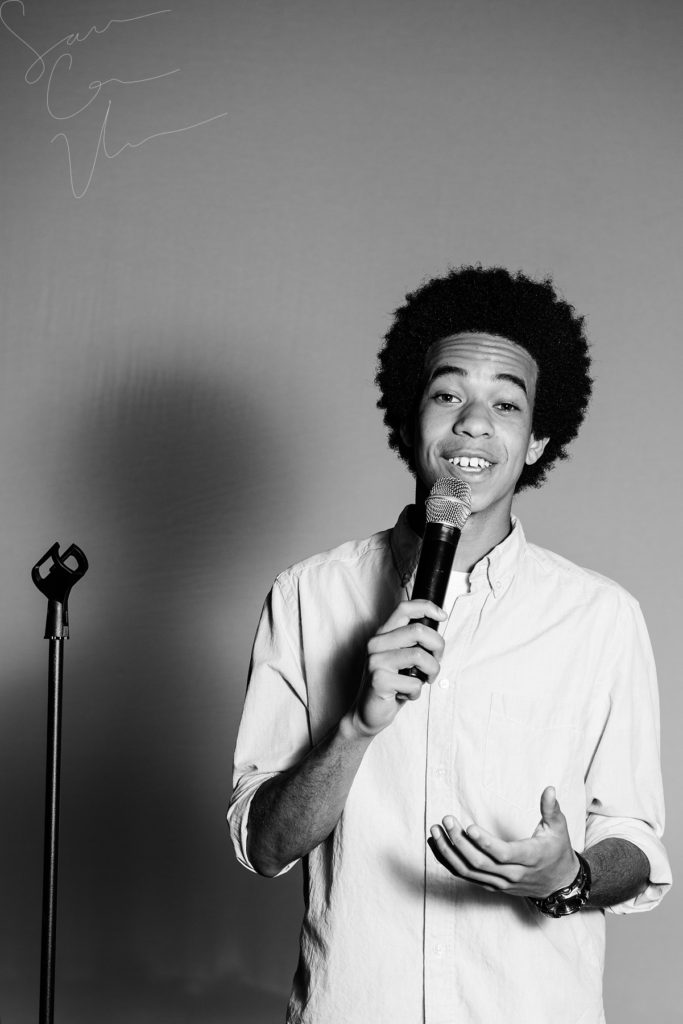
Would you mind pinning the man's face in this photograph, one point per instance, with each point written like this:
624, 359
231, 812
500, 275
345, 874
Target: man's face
474, 417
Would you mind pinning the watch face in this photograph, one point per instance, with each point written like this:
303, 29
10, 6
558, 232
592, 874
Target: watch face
564, 907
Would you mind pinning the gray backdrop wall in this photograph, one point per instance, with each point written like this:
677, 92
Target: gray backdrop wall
207, 216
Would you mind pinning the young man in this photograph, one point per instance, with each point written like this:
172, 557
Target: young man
461, 838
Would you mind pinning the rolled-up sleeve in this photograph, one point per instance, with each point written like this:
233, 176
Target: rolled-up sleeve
274, 731
624, 784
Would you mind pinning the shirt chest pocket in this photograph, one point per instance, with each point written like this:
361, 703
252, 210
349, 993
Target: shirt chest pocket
528, 747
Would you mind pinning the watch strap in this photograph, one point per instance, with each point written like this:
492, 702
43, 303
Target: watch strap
570, 898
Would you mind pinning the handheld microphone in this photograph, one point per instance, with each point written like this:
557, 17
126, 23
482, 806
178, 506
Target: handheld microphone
446, 512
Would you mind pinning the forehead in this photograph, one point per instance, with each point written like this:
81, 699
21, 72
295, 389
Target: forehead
485, 354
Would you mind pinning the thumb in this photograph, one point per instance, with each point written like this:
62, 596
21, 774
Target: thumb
550, 808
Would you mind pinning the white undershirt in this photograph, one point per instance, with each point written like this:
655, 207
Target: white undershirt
458, 584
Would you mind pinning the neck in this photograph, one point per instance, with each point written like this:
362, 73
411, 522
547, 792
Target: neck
477, 539
482, 532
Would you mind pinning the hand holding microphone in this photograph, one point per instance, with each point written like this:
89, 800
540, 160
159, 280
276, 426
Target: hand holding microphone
406, 651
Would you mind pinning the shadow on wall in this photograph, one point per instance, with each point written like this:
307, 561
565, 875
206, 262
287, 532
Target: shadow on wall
168, 487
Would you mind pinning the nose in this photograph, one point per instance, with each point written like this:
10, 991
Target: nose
473, 420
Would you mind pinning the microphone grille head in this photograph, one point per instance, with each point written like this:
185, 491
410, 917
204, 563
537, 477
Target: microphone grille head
449, 502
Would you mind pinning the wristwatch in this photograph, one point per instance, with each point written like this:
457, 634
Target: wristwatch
571, 898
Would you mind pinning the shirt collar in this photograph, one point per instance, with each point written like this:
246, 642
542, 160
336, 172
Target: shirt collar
494, 571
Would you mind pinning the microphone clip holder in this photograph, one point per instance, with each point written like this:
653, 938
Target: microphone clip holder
56, 585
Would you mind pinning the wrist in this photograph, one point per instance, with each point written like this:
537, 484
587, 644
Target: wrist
352, 730
570, 872
569, 898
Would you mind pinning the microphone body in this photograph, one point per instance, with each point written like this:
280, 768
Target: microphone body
446, 512
434, 568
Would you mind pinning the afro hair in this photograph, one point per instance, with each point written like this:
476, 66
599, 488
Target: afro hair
473, 299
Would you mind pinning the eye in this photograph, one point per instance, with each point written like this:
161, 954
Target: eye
445, 398
507, 407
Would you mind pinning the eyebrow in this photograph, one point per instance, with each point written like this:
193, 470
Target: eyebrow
446, 370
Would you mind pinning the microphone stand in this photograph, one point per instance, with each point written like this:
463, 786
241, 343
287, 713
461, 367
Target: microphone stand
56, 586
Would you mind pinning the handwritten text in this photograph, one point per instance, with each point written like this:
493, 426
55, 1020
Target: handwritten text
59, 57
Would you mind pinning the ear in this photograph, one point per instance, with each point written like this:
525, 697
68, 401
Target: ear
407, 433
535, 449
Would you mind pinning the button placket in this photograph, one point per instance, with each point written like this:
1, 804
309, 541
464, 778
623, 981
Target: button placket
442, 796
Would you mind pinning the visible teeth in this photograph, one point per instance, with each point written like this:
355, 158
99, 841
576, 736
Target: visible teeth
467, 462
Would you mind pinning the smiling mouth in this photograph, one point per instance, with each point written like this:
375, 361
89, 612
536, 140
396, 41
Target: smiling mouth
470, 463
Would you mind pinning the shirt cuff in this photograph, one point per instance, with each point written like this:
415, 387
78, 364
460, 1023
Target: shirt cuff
641, 835
238, 817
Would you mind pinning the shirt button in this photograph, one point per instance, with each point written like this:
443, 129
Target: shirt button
438, 949
441, 771
444, 683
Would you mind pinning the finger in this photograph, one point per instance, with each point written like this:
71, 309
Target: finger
492, 855
394, 662
450, 857
411, 635
476, 857
409, 611
388, 686
447, 856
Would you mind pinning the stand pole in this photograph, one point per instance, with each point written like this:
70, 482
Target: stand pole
51, 849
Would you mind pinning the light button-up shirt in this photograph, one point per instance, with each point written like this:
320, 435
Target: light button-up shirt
547, 679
